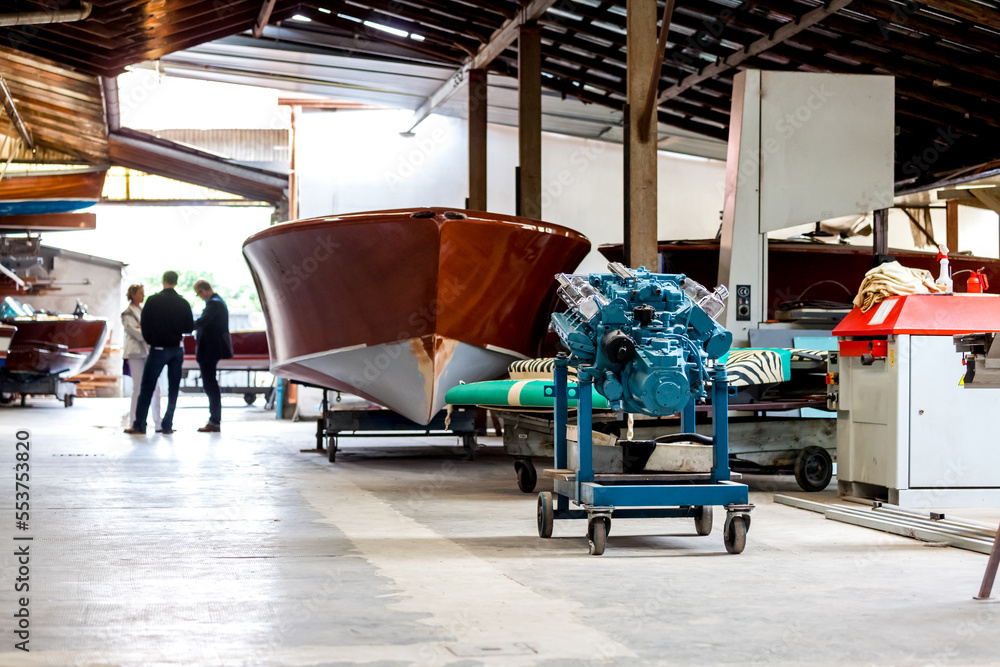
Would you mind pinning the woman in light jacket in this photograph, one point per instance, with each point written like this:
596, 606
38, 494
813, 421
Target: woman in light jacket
136, 350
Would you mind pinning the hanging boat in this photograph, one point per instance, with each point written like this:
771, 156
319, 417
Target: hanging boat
37, 192
400, 306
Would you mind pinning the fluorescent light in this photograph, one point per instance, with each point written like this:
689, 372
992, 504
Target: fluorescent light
349, 18
385, 28
299, 17
324, 10
417, 37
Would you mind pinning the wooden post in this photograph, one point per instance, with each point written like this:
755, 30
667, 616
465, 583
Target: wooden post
952, 208
640, 228
880, 237
477, 139
529, 118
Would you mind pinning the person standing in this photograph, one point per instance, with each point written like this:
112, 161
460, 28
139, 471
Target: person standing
165, 320
136, 351
213, 345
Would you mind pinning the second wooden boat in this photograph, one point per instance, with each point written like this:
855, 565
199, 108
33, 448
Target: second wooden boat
35, 192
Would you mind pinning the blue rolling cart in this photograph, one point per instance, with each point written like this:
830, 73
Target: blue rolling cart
641, 495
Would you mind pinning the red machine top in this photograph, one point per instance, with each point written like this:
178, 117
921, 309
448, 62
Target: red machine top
925, 314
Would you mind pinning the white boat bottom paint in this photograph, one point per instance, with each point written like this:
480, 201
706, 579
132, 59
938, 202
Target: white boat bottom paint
404, 379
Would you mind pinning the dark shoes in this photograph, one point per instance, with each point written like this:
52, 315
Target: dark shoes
167, 431
210, 428
132, 431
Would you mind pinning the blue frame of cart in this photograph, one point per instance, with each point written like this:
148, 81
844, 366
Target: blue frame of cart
649, 495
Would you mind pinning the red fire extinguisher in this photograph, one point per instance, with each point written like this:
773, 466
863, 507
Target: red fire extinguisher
977, 283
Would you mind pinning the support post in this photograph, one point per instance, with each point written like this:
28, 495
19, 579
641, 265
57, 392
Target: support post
641, 59
529, 119
991, 570
585, 429
720, 424
952, 235
688, 418
477, 139
880, 237
561, 410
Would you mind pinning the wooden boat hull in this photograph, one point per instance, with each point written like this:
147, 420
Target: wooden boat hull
794, 267
6, 334
36, 193
400, 306
55, 345
249, 352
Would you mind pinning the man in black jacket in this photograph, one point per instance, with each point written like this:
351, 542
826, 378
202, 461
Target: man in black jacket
214, 344
166, 317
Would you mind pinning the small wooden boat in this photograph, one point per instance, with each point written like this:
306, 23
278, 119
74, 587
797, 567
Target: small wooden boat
6, 333
249, 352
400, 306
37, 192
43, 345
802, 270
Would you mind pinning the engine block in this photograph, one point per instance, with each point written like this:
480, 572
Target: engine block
645, 339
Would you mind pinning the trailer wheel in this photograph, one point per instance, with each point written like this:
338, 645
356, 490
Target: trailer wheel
703, 516
331, 449
249, 397
545, 515
527, 477
813, 468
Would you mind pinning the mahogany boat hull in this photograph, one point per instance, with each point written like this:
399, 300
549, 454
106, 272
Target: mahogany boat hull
400, 306
55, 345
36, 193
794, 267
6, 334
249, 352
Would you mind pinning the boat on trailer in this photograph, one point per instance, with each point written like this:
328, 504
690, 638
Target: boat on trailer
399, 306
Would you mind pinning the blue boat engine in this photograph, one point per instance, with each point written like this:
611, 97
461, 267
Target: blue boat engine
645, 339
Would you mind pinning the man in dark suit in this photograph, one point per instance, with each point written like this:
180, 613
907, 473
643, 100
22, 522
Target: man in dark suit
165, 319
213, 345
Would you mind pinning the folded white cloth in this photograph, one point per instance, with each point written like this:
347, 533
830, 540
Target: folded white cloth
892, 279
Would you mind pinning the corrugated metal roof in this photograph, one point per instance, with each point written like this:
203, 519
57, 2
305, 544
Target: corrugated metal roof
405, 86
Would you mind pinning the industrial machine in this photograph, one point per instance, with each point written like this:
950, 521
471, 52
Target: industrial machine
907, 432
648, 343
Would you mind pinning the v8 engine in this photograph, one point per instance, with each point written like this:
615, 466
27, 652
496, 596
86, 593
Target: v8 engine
644, 338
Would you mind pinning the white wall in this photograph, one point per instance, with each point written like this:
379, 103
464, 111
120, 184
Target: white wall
351, 161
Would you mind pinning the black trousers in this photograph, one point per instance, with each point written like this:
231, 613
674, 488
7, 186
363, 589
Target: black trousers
210, 383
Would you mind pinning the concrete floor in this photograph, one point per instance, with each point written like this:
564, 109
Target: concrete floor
237, 549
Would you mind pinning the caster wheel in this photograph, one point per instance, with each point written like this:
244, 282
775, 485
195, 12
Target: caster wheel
68, 400
813, 468
546, 515
736, 534
249, 398
597, 535
471, 446
527, 477
703, 516
331, 450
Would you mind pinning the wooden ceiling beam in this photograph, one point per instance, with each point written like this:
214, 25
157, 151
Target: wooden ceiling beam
498, 43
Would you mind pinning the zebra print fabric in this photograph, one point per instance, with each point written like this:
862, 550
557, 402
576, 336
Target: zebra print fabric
535, 369
745, 368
